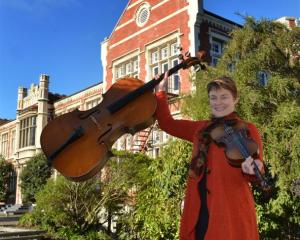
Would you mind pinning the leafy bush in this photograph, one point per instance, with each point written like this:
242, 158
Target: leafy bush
157, 208
34, 176
86, 210
6, 170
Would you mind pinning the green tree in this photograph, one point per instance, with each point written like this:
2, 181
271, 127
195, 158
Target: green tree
34, 176
157, 208
66, 208
268, 47
86, 210
6, 170
123, 177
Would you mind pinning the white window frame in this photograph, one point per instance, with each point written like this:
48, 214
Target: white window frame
154, 57
121, 71
216, 47
135, 65
158, 64
13, 142
155, 70
164, 53
175, 90
4, 144
27, 131
174, 49
92, 103
126, 66
218, 40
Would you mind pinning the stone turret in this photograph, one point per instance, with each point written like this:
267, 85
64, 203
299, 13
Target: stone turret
22, 93
42, 115
43, 87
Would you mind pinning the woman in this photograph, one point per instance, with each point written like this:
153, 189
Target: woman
218, 203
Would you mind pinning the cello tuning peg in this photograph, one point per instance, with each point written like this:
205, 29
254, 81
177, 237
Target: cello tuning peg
197, 68
179, 48
201, 55
187, 54
180, 56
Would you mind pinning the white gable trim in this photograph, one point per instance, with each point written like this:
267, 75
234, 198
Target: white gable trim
159, 4
104, 63
192, 12
149, 27
132, 20
134, 4
124, 24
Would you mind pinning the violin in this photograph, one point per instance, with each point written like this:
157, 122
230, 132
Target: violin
238, 147
78, 143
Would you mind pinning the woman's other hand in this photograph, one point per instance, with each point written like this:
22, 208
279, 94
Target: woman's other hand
248, 168
162, 86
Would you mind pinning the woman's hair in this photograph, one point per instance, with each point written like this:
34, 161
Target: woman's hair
223, 82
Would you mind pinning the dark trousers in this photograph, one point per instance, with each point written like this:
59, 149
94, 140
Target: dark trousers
202, 224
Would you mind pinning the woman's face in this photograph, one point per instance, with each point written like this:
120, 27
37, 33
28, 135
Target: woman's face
221, 102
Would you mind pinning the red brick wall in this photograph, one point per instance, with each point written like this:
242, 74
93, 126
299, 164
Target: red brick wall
177, 22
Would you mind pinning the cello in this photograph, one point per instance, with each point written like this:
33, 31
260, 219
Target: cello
78, 144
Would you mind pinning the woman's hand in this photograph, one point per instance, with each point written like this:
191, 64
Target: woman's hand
162, 86
248, 168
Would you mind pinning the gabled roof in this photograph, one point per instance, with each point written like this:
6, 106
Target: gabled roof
120, 18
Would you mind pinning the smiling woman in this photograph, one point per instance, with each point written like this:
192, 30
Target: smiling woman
223, 97
218, 200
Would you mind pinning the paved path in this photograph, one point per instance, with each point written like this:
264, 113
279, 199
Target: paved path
17, 233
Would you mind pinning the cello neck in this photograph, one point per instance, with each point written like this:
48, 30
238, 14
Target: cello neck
149, 86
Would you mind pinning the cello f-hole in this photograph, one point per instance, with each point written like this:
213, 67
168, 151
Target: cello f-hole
109, 125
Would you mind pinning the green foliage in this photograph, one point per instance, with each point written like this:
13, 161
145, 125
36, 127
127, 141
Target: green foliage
34, 176
125, 175
158, 202
70, 204
6, 170
270, 47
264, 45
66, 209
86, 210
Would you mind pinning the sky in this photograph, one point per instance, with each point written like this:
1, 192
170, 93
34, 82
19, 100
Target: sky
62, 38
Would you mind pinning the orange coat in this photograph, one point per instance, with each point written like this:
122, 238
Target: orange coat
230, 201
